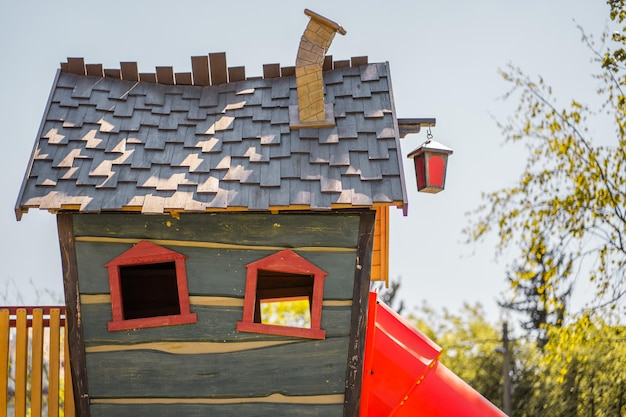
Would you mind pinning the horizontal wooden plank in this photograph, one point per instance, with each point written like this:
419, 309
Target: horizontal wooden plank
277, 369
207, 245
281, 230
214, 272
197, 300
215, 324
273, 398
203, 301
189, 348
223, 410
95, 299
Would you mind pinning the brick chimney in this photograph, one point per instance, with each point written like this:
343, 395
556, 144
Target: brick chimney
314, 44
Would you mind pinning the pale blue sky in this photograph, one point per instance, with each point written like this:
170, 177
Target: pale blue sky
444, 58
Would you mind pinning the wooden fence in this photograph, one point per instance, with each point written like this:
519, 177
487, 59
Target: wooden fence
33, 355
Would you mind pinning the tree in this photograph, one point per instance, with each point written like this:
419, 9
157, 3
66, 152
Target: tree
389, 294
286, 312
583, 371
571, 195
533, 293
580, 372
472, 350
469, 345
567, 218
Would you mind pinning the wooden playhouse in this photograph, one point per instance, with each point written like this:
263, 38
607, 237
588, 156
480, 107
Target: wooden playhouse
184, 201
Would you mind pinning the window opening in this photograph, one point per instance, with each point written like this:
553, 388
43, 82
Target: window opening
148, 286
149, 290
284, 299
284, 294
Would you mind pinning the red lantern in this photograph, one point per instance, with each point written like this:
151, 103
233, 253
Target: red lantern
431, 160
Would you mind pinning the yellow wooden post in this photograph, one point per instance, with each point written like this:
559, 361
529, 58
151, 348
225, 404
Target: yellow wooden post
53, 365
5, 330
68, 406
380, 255
21, 362
36, 391
384, 248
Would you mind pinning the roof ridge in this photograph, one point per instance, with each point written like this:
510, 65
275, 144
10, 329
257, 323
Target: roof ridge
206, 70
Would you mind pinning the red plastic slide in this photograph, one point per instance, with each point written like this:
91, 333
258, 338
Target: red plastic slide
403, 377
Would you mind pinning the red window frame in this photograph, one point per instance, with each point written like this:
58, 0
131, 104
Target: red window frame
286, 262
146, 253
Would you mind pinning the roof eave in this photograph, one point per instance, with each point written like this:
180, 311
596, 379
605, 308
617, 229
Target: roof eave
405, 200
19, 209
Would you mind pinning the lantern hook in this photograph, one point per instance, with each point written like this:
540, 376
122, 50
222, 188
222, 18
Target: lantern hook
429, 135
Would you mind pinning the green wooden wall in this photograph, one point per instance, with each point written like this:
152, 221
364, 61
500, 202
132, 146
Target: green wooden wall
208, 368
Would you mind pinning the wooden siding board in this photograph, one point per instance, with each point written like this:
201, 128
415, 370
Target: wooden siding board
222, 410
283, 230
134, 374
219, 272
230, 264
215, 324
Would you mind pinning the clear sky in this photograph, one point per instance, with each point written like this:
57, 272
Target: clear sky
444, 58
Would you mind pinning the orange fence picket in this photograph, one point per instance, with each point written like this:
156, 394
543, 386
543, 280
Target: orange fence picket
4, 358
34, 368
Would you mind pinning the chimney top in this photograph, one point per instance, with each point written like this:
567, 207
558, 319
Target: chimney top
314, 44
327, 22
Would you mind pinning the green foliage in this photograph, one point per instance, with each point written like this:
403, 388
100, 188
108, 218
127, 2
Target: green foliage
469, 346
292, 313
566, 217
570, 198
581, 371
389, 294
534, 293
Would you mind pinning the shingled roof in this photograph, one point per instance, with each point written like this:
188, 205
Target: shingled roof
112, 142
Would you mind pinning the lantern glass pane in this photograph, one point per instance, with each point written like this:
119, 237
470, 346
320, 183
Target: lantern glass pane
436, 170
